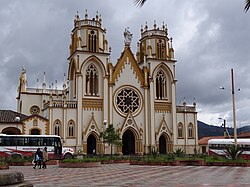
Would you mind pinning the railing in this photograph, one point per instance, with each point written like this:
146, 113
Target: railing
60, 104
185, 109
154, 32
94, 23
40, 90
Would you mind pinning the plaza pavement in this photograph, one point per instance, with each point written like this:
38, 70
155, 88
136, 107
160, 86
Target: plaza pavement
115, 175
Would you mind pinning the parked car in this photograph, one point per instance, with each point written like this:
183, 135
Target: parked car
67, 152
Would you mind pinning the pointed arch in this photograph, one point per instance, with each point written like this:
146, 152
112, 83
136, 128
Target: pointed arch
92, 140
165, 144
180, 130
92, 80
163, 79
190, 130
71, 129
94, 74
57, 127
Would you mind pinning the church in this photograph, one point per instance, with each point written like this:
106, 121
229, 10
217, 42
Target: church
136, 94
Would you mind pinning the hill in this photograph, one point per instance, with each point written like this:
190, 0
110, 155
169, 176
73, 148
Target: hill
212, 130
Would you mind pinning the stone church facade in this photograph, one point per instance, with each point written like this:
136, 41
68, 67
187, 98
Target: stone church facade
137, 94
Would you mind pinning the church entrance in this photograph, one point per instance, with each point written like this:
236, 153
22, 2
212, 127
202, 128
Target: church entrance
35, 132
91, 144
128, 143
162, 145
11, 131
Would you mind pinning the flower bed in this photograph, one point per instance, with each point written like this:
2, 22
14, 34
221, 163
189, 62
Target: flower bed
4, 166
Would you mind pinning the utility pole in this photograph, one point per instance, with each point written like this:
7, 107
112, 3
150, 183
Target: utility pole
234, 114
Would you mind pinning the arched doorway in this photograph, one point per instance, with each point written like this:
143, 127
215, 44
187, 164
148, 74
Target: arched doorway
11, 131
35, 132
91, 144
162, 145
128, 143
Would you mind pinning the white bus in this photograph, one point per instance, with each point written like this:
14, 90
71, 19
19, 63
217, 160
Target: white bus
219, 146
26, 145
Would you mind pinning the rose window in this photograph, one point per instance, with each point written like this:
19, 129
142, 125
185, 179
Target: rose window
34, 109
128, 99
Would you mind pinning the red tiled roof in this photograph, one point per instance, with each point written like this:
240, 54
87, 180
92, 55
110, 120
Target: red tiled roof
244, 135
204, 140
9, 116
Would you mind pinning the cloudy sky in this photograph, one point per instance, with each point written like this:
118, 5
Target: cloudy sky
209, 39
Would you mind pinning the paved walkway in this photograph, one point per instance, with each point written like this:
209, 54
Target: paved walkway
115, 175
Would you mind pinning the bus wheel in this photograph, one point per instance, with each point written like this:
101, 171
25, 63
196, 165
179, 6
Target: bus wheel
68, 156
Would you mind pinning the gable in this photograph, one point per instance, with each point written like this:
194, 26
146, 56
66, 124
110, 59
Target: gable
127, 57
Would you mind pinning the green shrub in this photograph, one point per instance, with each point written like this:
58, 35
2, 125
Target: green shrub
80, 160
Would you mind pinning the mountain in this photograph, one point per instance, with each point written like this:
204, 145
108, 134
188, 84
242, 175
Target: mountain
212, 130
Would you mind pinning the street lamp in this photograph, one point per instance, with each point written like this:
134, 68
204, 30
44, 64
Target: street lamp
105, 123
233, 100
224, 126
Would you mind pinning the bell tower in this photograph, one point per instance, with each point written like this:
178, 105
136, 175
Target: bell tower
88, 35
155, 44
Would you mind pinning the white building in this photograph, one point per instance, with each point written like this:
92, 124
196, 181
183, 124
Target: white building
137, 95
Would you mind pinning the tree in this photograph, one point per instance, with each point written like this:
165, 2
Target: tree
111, 137
247, 6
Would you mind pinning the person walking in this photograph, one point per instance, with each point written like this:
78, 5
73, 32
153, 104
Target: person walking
38, 158
45, 157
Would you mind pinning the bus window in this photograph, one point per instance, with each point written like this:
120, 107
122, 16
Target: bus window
33, 142
40, 141
1, 141
20, 141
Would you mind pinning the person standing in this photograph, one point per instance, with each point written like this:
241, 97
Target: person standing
38, 158
45, 157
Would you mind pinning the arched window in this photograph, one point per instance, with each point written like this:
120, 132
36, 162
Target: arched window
92, 41
190, 130
35, 123
180, 130
161, 85
92, 79
160, 49
57, 128
71, 127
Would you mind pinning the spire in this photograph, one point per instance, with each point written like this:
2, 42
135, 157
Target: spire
37, 86
64, 81
184, 102
44, 81
97, 16
86, 14
155, 25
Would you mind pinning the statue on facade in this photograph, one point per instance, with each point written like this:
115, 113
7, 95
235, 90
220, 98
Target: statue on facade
128, 36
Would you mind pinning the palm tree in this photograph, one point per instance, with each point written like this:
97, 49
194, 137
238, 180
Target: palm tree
233, 152
247, 6
139, 3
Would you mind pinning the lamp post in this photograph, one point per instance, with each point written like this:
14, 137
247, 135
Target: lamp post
234, 113
104, 128
224, 126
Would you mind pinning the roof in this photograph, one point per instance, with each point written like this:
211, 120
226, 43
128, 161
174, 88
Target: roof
244, 135
9, 116
204, 140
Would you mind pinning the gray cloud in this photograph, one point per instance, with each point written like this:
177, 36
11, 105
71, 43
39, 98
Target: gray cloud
209, 40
